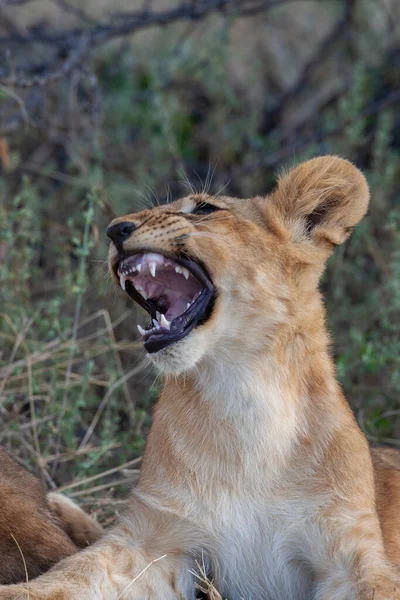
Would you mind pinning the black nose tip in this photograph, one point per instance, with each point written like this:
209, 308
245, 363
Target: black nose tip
120, 232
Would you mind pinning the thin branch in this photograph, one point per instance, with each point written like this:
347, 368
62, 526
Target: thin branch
25, 567
75, 11
74, 60
273, 116
76, 43
4, 3
274, 159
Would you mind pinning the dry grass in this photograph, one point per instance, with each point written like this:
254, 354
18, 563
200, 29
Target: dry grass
34, 374
204, 584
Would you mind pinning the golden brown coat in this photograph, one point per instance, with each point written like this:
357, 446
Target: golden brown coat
254, 463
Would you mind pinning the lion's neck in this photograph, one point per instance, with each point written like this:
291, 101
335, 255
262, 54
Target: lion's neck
253, 411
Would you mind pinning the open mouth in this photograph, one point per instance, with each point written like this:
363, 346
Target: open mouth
177, 295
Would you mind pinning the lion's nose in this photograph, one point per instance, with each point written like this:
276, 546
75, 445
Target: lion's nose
120, 232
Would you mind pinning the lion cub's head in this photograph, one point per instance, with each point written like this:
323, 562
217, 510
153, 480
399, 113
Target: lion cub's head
219, 276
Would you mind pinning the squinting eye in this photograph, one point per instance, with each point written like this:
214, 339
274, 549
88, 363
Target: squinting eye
204, 209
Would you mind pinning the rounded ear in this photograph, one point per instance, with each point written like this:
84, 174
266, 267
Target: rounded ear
318, 202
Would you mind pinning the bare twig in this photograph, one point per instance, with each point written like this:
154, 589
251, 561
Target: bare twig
139, 575
24, 561
4, 3
274, 159
79, 482
120, 382
273, 115
75, 11
76, 43
50, 74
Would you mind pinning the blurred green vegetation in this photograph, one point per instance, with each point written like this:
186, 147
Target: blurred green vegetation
75, 398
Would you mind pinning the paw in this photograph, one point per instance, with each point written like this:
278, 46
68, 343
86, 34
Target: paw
79, 526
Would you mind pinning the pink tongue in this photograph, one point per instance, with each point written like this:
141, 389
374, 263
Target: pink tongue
179, 291
177, 308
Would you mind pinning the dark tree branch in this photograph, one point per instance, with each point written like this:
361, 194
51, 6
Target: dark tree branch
76, 43
75, 11
51, 75
273, 160
273, 115
4, 3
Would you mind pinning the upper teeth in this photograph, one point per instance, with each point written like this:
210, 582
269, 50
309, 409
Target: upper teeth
152, 268
183, 271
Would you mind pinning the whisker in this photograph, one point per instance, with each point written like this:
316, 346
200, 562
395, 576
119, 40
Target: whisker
147, 201
206, 185
110, 285
101, 266
199, 178
186, 181
168, 194
153, 194
210, 177
221, 190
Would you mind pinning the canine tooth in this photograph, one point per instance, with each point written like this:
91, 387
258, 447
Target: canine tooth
164, 322
139, 267
141, 330
186, 273
122, 281
187, 305
152, 267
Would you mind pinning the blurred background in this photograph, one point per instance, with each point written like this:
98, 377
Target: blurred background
104, 111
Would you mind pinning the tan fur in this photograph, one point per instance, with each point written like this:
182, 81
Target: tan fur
254, 465
42, 529
81, 528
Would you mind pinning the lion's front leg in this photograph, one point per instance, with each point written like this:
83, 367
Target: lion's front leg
145, 557
353, 564
108, 572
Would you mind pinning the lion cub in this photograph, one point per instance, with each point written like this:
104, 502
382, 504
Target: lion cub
36, 531
255, 465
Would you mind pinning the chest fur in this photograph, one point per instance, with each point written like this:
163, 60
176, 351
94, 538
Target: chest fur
259, 551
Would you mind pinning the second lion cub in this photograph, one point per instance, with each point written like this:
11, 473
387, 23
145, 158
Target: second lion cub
254, 463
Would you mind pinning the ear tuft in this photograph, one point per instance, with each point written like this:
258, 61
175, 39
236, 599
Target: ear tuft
321, 200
